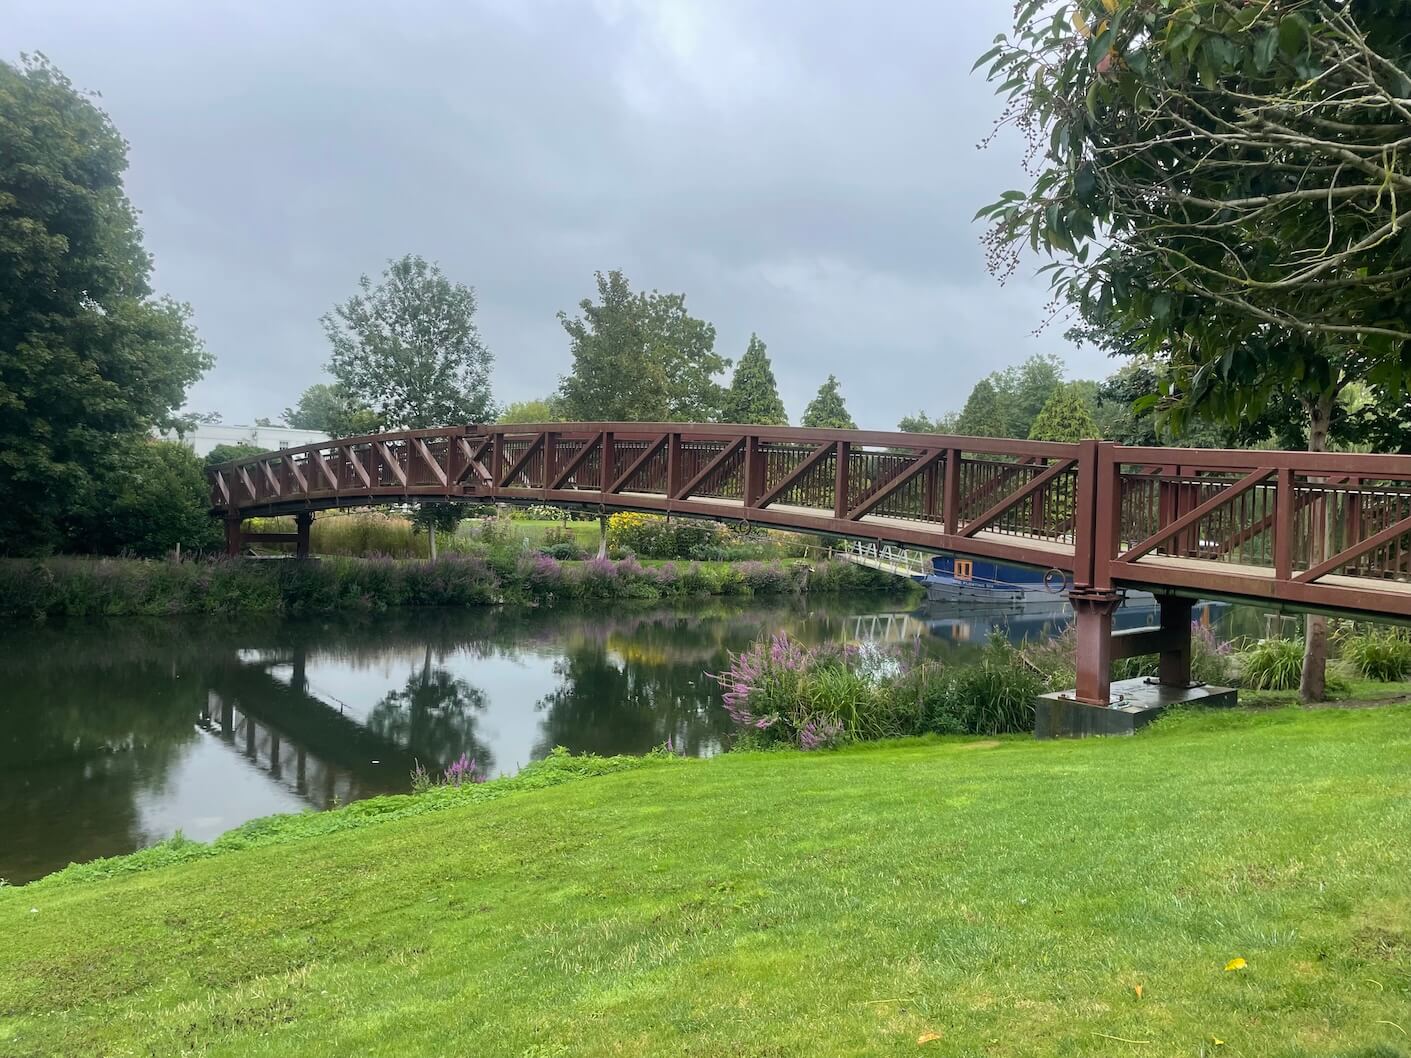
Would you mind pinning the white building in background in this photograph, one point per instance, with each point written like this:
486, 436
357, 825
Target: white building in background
266, 438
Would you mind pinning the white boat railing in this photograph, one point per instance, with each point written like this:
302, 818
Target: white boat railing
904, 562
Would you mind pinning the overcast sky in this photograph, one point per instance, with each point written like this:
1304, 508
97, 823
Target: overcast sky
807, 170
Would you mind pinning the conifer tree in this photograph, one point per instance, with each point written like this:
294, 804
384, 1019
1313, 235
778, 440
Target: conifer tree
827, 410
753, 396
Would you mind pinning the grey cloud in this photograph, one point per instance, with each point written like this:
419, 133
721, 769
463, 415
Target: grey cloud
804, 170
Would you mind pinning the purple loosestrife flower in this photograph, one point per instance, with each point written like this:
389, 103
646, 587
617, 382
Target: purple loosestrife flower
463, 770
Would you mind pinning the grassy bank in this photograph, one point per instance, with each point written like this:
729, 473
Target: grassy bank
121, 587
992, 897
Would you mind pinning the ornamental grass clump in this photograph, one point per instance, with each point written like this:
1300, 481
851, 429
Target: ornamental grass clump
1271, 665
782, 692
1379, 653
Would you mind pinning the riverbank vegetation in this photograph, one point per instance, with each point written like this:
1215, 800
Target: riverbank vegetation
116, 587
783, 692
387, 534
1227, 882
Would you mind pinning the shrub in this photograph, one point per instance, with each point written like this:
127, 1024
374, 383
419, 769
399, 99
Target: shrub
775, 691
994, 697
565, 552
1379, 653
780, 692
652, 536
1271, 665
538, 512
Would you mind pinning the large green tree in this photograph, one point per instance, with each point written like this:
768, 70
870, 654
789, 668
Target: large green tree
90, 359
753, 396
408, 349
1066, 417
1226, 182
327, 408
639, 357
153, 499
1024, 390
530, 411
827, 409
983, 415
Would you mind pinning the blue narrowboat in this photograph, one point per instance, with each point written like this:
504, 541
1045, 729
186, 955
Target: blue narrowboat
956, 579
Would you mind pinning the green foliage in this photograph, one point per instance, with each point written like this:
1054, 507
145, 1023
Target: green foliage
1269, 266
653, 536
922, 423
639, 358
1271, 665
753, 396
530, 411
994, 697
327, 408
408, 349
983, 415
1006, 403
152, 496
1024, 391
499, 573
224, 453
779, 691
89, 358
827, 410
1379, 653
1066, 417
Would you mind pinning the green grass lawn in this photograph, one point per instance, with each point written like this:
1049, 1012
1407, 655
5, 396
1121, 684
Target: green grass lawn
987, 897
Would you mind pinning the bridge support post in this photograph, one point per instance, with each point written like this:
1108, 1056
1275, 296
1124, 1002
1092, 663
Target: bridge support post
234, 538
1175, 668
303, 521
1092, 611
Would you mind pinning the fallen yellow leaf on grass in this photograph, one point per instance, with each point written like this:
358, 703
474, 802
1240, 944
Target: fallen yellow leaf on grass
1138, 990
1217, 1041
927, 1037
1236, 963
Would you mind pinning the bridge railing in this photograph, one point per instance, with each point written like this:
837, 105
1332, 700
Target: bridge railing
1317, 530
993, 496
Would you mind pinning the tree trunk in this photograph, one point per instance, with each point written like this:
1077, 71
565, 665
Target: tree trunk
1312, 684
431, 537
603, 535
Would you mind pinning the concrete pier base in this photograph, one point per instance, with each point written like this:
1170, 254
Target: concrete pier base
1135, 703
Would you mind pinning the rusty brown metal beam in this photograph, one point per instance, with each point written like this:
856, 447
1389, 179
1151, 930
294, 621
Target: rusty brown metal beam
580, 457
637, 464
793, 477
523, 461
432, 464
1343, 557
1017, 497
924, 461
710, 468
1191, 517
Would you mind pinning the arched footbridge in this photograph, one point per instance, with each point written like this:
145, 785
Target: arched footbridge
1301, 531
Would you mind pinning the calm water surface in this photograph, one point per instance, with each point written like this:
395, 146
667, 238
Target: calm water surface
115, 734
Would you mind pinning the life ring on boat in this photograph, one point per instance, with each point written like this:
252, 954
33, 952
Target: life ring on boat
1055, 581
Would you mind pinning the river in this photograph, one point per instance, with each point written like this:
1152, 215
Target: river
116, 734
